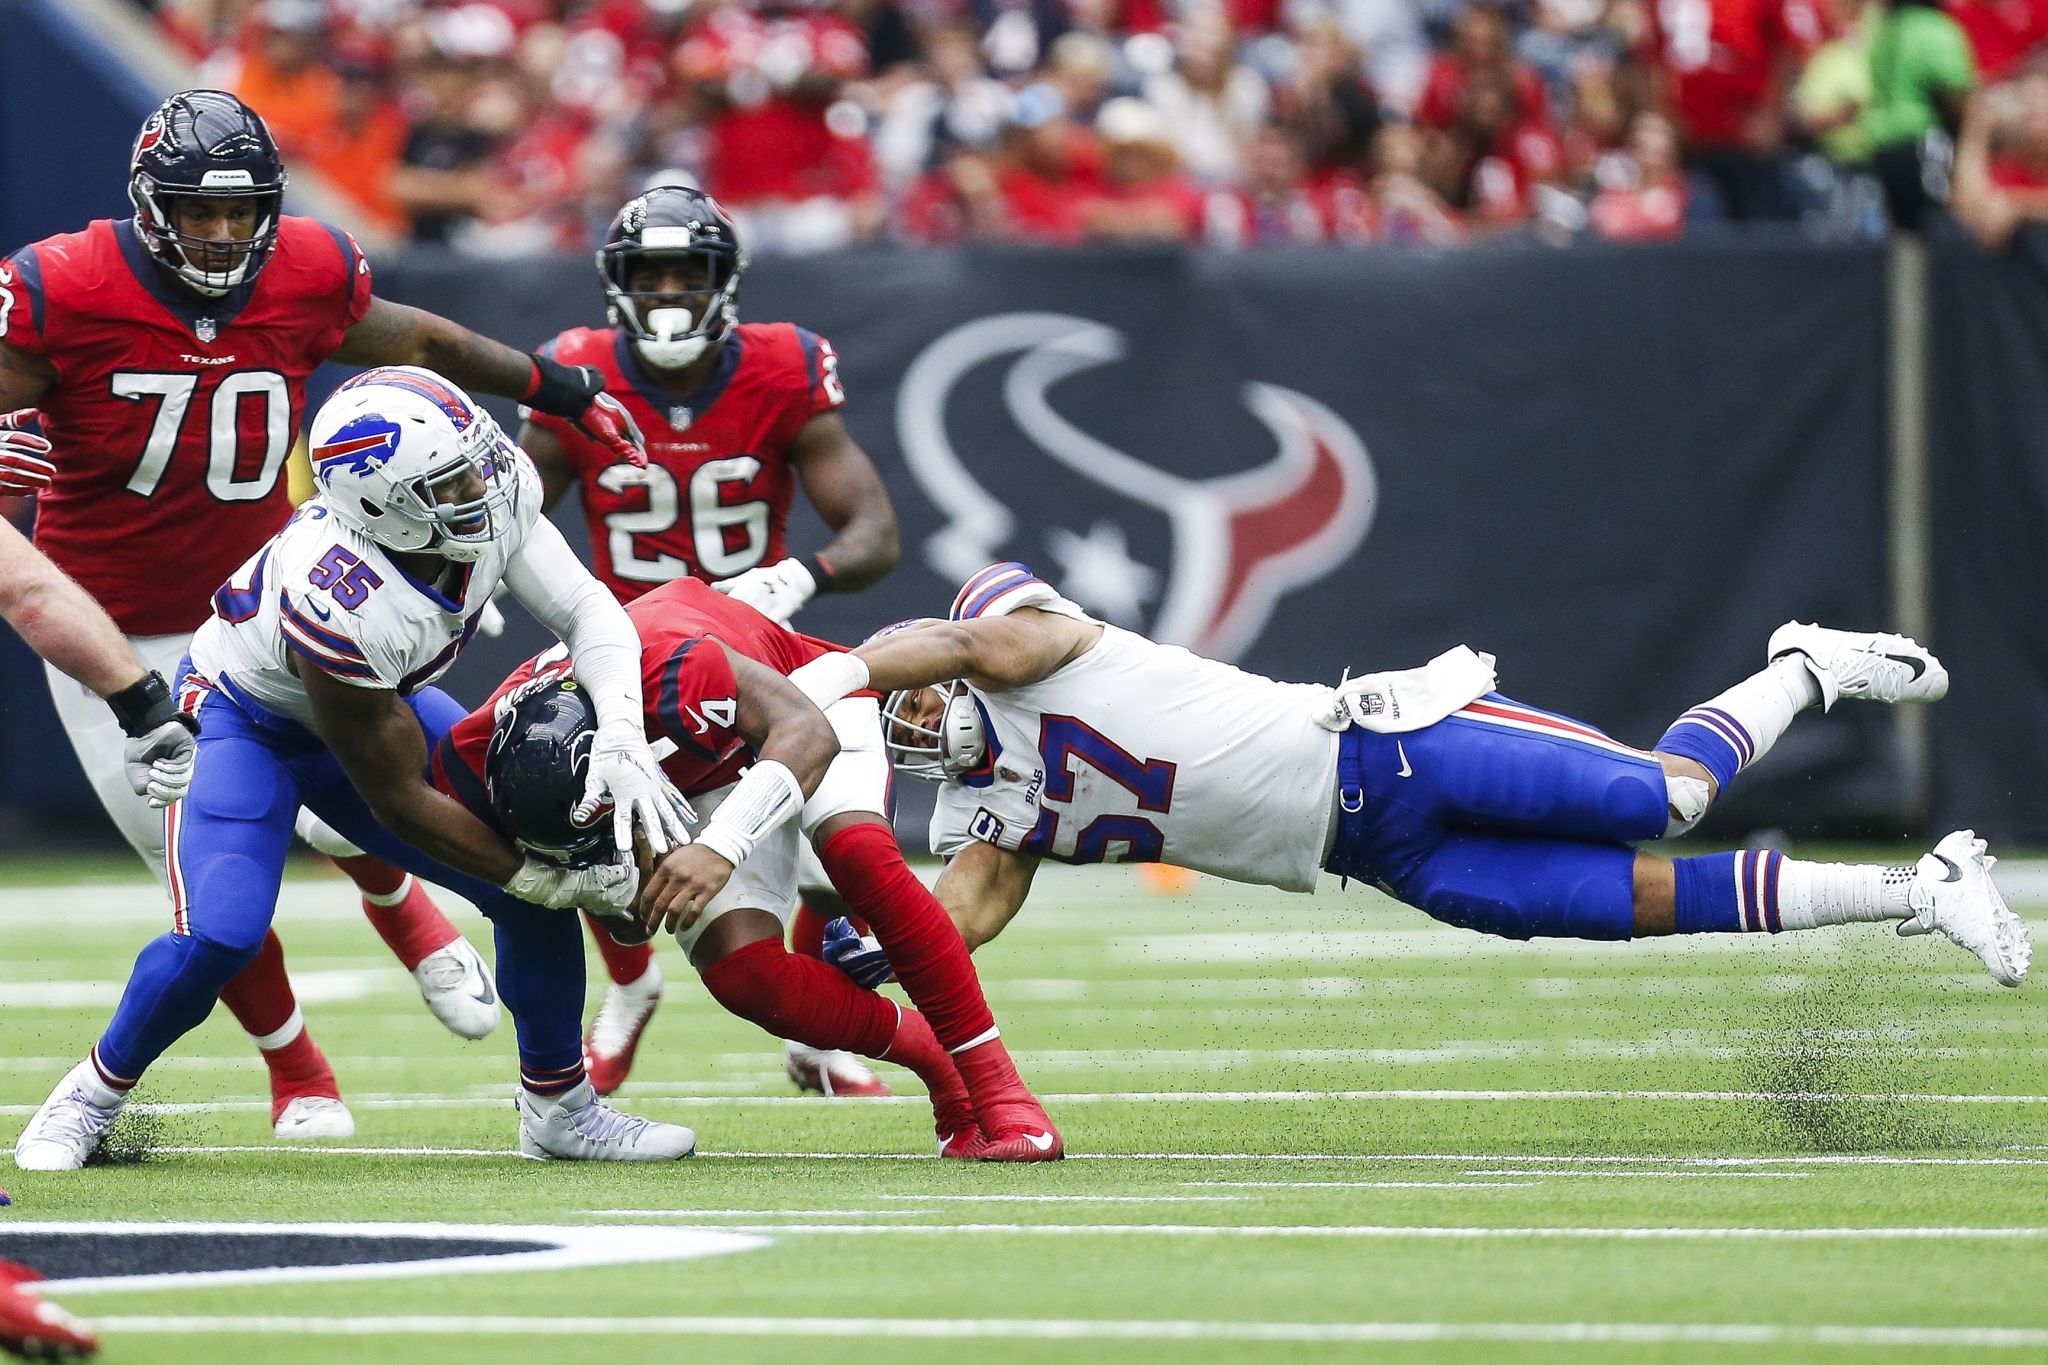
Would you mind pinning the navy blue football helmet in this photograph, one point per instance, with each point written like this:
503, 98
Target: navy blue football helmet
672, 329
207, 144
536, 769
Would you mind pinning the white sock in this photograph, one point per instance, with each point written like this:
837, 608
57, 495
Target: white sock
647, 983
285, 1033
1814, 894
1749, 717
391, 898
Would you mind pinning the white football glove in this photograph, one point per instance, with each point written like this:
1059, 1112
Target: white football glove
159, 761
23, 470
624, 773
777, 591
604, 889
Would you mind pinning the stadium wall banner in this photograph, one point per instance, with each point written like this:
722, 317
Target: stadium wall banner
1988, 449
1604, 466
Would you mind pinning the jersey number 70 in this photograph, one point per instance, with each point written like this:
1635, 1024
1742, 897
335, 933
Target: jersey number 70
1064, 741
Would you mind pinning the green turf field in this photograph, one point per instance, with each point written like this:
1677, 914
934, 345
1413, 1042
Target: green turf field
1301, 1129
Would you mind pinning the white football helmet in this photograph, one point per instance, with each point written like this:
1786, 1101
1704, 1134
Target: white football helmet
409, 460
957, 745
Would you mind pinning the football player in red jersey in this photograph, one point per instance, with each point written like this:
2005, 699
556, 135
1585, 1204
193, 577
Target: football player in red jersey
168, 355
737, 415
769, 772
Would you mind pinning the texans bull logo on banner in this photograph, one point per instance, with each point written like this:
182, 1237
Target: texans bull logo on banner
1239, 541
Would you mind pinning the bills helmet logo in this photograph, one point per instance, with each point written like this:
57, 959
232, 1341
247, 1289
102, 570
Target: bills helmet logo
1240, 541
359, 447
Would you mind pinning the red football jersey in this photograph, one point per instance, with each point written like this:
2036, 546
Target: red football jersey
714, 499
172, 414
686, 679
1719, 56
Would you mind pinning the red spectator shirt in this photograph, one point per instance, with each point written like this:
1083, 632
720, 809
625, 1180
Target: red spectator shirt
1718, 57
2001, 32
1501, 182
1442, 100
687, 680
766, 144
714, 499
172, 414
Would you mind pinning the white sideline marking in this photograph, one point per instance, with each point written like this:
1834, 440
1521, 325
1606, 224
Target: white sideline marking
687, 1214
424, 1101
1069, 1329
1385, 1184
563, 1247
1425, 1232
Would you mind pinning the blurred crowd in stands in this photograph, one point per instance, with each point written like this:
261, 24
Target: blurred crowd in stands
512, 126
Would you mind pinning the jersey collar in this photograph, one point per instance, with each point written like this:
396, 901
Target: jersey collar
187, 308
698, 402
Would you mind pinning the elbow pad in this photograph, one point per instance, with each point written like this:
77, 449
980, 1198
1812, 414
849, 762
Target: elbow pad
761, 800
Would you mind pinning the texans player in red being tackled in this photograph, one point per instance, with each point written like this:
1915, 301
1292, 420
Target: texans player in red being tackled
168, 355
737, 415
769, 773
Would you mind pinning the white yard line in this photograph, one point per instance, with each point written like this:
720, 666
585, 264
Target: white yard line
1423, 1232
641, 1096
1069, 1198
1070, 1329
1660, 1175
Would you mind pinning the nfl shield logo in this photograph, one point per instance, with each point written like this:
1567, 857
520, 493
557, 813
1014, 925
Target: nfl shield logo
205, 329
680, 417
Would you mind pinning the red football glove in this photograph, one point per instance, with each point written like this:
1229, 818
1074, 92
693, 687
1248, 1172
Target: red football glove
576, 393
23, 471
607, 422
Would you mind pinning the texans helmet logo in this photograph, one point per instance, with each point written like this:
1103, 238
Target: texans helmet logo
151, 134
1240, 541
360, 447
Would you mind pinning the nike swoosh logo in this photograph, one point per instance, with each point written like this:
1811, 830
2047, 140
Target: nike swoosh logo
1407, 770
1042, 1141
702, 724
1918, 666
483, 994
314, 607
1955, 874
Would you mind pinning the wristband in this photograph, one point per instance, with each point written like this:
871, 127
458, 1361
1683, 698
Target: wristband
558, 390
765, 796
823, 575
143, 706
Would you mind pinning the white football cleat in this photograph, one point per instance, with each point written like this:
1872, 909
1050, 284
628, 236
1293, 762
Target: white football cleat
1952, 892
1868, 665
71, 1124
827, 1072
314, 1116
578, 1126
614, 1033
457, 986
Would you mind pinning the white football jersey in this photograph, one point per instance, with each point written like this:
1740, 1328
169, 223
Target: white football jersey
327, 593
1142, 752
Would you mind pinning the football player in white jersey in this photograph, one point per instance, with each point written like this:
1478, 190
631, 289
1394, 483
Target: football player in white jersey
1058, 736
310, 684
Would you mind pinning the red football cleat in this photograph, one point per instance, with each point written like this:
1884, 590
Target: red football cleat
615, 1031
34, 1328
826, 1072
965, 1145
1024, 1142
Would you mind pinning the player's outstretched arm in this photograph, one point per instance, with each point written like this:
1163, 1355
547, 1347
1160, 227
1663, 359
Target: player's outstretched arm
394, 334
841, 482
983, 888
381, 747
553, 584
64, 625
794, 744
